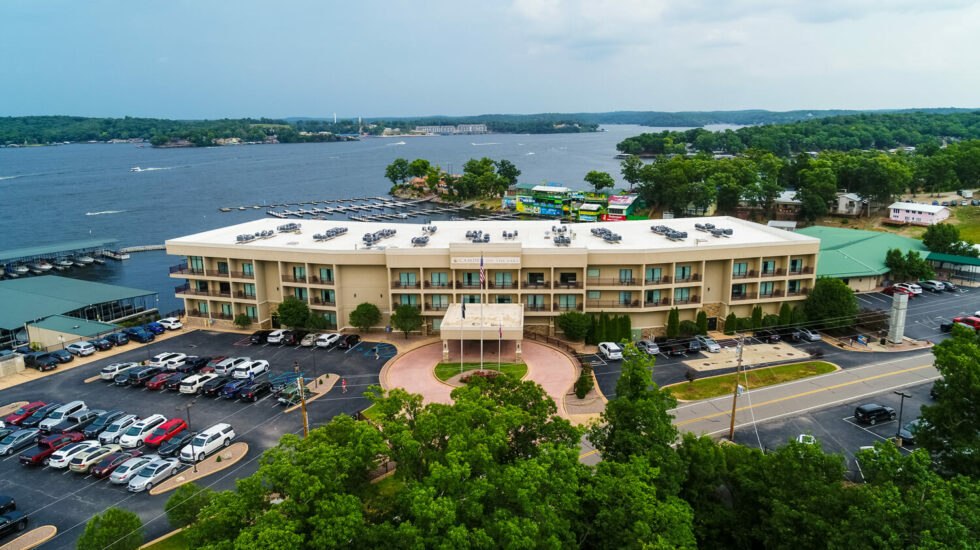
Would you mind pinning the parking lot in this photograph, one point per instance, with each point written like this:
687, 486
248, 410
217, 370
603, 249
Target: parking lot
927, 310
67, 500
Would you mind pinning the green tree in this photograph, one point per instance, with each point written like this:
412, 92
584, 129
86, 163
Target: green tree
184, 505
831, 304
418, 168
574, 324
687, 328
114, 529
242, 320
756, 317
398, 171
944, 238
365, 316
673, 323
785, 315
407, 318
909, 266
631, 168
293, 312
585, 383
508, 172
316, 321
702, 320
799, 316
599, 180
818, 187
731, 323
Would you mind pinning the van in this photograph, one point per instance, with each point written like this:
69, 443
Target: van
60, 413
137, 433
207, 442
966, 194
229, 364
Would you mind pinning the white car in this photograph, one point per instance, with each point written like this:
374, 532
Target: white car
809, 335
168, 359
60, 413
275, 337
114, 431
326, 340
60, 458
125, 471
81, 349
911, 287
250, 370
708, 344
171, 323
137, 433
610, 351
110, 371
230, 364
154, 472
192, 384
207, 442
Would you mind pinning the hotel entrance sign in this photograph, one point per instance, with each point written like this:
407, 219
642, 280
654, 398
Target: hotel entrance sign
487, 260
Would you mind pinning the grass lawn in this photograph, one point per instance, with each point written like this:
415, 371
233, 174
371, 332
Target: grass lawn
176, 542
371, 413
968, 222
445, 371
757, 378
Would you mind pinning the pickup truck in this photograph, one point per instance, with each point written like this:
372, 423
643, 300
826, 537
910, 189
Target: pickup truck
47, 446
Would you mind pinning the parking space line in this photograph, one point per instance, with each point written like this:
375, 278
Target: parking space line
353, 348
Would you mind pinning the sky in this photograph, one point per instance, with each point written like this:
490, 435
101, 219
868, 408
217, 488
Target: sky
371, 58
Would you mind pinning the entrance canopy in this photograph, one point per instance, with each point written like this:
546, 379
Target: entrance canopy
483, 321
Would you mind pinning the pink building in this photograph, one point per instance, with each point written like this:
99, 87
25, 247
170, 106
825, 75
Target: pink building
918, 213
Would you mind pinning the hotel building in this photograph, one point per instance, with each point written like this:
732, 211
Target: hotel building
631, 269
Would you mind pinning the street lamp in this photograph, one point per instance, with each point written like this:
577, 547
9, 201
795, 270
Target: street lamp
61, 338
901, 408
187, 408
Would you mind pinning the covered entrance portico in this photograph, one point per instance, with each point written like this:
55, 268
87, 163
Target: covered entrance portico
476, 332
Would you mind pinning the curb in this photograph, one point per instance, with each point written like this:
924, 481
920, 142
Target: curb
14, 545
7, 409
835, 365
189, 477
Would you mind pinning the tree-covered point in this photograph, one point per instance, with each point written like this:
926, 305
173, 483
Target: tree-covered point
842, 133
481, 178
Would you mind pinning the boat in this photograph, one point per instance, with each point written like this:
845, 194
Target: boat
99, 261
136, 169
41, 265
84, 259
61, 267
63, 263
19, 269
77, 263
225, 209
113, 255
37, 271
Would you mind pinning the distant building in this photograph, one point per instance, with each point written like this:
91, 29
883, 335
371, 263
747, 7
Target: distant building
848, 204
858, 257
450, 130
917, 213
436, 129
471, 129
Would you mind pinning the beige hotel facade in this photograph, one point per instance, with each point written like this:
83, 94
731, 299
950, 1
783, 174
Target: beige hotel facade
643, 273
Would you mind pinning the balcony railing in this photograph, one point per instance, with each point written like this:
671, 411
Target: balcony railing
241, 275
750, 274
186, 289
217, 273
799, 292
222, 316
615, 281
568, 284
779, 271
399, 284
197, 313
536, 285
502, 286
186, 271
692, 278
744, 296
436, 307
559, 307
611, 304
178, 268
657, 303
688, 300
535, 307
801, 271
318, 281
292, 279
315, 300
664, 280
432, 284
461, 284
241, 295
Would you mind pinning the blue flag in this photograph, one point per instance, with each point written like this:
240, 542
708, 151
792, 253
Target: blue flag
464, 311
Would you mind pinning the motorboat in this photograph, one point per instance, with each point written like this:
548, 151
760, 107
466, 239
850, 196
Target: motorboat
19, 269
37, 271
41, 265
136, 169
63, 263
78, 263
84, 260
99, 261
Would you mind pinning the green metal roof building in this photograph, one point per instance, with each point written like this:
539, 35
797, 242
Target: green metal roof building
857, 257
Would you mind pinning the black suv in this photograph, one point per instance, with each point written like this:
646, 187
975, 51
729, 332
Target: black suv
140, 378
33, 420
101, 423
212, 388
193, 364
674, 349
766, 336
791, 334
259, 336
42, 361
871, 413
349, 342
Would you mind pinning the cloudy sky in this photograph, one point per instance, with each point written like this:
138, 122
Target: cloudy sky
196, 59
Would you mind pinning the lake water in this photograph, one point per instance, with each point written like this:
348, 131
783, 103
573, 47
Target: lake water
55, 194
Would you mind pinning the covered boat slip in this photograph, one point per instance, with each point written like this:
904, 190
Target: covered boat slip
54, 250
492, 325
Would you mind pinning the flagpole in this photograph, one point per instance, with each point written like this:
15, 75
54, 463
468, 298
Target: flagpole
500, 336
483, 278
461, 317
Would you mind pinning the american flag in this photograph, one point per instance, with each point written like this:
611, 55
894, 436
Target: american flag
483, 274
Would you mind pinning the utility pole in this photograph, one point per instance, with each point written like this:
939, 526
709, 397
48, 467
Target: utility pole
302, 402
901, 409
738, 370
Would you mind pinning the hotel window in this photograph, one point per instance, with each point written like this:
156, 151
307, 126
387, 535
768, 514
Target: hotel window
406, 279
682, 273
625, 297
652, 297
202, 307
795, 265
738, 290
502, 280
765, 289
326, 275
768, 266
299, 273
471, 298
566, 301
570, 278
592, 295
409, 300
248, 268
471, 278
682, 294
248, 290
740, 269
300, 293
504, 299
252, 312
437, 323
331, 319
226, 309
440, 301
591, 272
535, 278
535, 301
223, 268
626, 276
653, 274
196, 263
201, 286
793, 286
326, 296
439, 278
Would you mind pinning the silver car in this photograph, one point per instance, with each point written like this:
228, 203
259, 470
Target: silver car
809, 335
648, 346
109, 372
117, 429
708, 344
125, 471
18, 440
152, 473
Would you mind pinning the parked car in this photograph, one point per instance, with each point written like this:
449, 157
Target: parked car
912, 287
251, 370
166, 359
708, 343
60, 413
207, 442
290, 394
47, 447
648, 346
193, 383
229, 364
142, 336
810, 335
7, 504
81, 349
155, 328
108, 464
157, 382
14, 521
18, 440
18, 416
908, 432
872, 413
139, 378
293, 337
327, 340
949, 287
101, 344
154, 472
309, 340
137, 433
81, 462
193, 364
932, 286
110, 371
125, 471
34, 420
675, 349
213, 363
259, 336
893, 290
349, 342
76, 422
117, 338
275, 337
693, 345
171, 323
282, 380
173, 382
972, 322
610, 350
63, 356
124, 378
114, 431
165, 431
41, 360
253, 391
946, 326
766, 336
172, 447
101, 423
212, 388
790, 334
230, 390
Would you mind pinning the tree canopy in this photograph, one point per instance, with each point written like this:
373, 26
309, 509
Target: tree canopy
293, 312
407, 318
907, 267
114, 529
365, 316
831, 304
599, 180
945, 238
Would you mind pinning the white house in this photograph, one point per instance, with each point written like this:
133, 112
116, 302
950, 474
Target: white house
914, 212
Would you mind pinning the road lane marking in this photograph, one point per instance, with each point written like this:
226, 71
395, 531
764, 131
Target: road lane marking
590, 453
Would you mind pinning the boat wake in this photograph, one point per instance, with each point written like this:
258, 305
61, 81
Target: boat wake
397, 143
8, 177
488, 143
531, 153
104, 212
151, 169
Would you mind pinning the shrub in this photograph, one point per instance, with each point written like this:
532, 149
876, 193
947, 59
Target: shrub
691, 375
673, 323
478, 374
702, 322
756, 317
744, 323
815, 353
584, 383
242, 320
187, 501
574, 324
731, 323
771, 321
116, 529
688, 328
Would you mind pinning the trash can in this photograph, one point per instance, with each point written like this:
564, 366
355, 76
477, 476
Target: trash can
883, 341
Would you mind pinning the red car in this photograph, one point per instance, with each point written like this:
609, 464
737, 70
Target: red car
165, 431
973, 322
892, 290
20, 414
111, 462
157, 382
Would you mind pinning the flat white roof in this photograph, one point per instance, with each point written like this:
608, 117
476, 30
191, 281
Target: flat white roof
590, 206
531, 234
917, 207
550, 189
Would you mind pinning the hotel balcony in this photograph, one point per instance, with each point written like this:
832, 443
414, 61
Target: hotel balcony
802, 271
777, 273
503, 286
568, 285
688, 300
800, 292
318, 281
665, 280
576, 307
292, 279
527, 285
692, 278
612, 304
750, 274
612, 281
746, 296
436, 307
399, 284
315, 300
430, 284
662, 302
